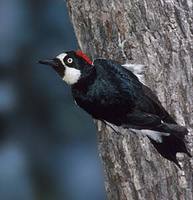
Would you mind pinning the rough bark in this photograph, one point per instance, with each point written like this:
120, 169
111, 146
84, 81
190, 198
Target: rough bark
158, 34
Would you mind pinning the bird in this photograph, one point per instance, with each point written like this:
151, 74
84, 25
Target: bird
115, 94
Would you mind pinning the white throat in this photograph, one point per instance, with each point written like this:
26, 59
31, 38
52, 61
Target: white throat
71, 75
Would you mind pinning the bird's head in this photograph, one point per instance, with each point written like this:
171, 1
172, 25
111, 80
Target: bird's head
72, 66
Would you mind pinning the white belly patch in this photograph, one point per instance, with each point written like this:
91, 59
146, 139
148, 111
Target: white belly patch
154, 135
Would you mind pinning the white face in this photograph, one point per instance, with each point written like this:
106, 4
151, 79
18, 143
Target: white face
71, 75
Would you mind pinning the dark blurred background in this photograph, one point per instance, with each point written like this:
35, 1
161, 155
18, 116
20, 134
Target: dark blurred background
48, 148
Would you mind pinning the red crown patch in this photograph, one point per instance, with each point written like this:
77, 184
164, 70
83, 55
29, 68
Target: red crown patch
84, 56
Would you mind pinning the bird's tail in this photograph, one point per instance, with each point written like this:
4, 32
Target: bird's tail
173, 143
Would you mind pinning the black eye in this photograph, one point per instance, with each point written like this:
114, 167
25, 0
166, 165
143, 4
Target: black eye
69, 60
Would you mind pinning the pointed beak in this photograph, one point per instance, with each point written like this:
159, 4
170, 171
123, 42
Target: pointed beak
55, 64
50, 62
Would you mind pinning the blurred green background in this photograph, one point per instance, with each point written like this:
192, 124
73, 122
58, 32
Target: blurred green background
48, 146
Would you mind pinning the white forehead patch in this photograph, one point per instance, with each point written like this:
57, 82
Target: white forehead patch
71, 75
61, 57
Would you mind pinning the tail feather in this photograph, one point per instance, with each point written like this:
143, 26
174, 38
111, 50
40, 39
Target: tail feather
173, 143
177, 130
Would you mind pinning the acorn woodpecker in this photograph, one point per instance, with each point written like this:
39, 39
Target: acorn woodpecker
112, 93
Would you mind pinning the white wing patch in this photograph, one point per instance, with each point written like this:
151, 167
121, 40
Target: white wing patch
137, 69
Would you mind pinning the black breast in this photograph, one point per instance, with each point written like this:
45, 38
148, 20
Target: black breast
104, 99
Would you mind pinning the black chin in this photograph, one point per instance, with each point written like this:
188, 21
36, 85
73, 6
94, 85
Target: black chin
50, 62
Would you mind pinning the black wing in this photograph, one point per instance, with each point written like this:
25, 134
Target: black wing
147, 109
148, 113
159, 109
114, 68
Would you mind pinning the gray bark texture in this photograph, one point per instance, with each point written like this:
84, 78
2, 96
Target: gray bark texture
158, 34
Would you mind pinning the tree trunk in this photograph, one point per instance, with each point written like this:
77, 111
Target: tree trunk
158, 34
